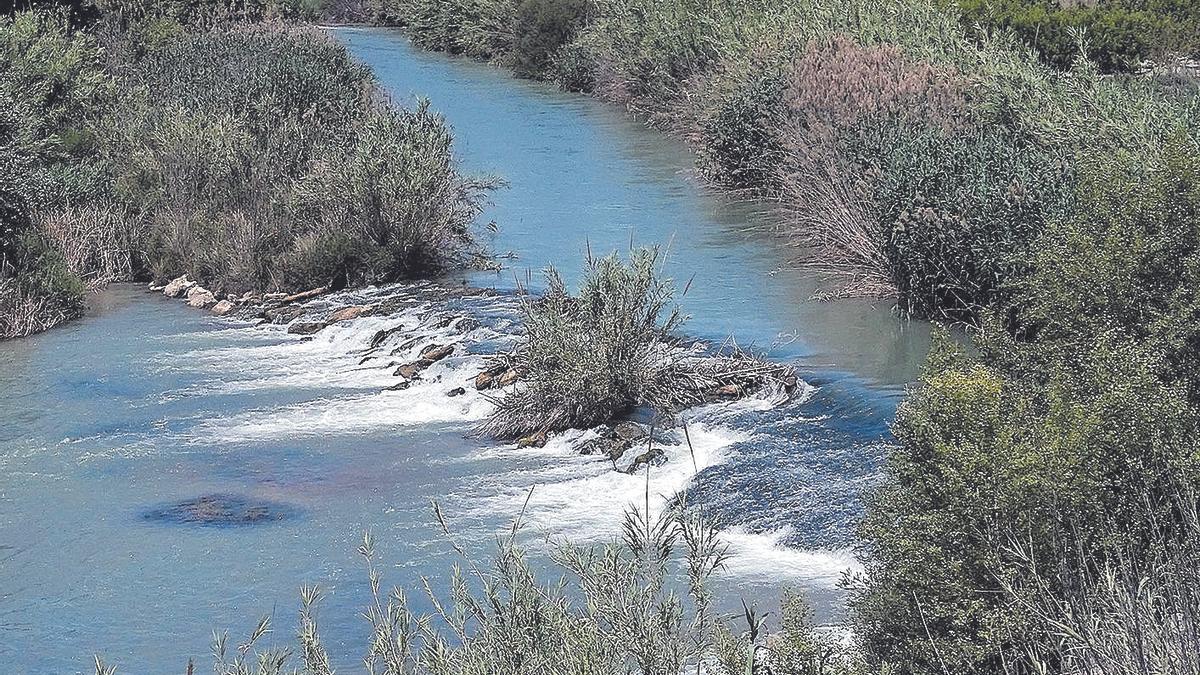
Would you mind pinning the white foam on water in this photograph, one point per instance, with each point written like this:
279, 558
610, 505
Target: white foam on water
764, 557
424, 402
581, 498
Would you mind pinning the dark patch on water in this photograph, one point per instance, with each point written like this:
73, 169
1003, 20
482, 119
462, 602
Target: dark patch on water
221, 510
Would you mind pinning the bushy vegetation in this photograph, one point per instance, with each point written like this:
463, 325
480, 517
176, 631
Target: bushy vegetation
587, 357
49, 76
1117, 35
1055, 472
248, 156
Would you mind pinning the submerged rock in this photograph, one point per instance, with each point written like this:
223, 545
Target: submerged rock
281, 315
348, 313
457, 391
630, 431
381, 335
220, 510
306, 327
399, 386
652, 457
409, 371
436, 352
726, 391
487, 379
534, 440
178, 287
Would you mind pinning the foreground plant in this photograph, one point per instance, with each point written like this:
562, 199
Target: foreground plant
621, 608
588, 357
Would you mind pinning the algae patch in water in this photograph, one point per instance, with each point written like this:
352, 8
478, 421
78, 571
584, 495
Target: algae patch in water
221, 510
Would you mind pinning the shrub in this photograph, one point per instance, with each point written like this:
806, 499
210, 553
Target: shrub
738, 141
835, 90
585, 358
1116, 35
590, 356
959, 211
540, 29
1024, 482
294, 173
1067, 463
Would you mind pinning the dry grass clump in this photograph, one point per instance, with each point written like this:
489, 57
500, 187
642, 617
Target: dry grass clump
587, 357
95, 242
831, 87
23, 313
1127, 612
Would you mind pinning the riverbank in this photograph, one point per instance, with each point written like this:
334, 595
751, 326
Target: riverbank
967, 148
133, 154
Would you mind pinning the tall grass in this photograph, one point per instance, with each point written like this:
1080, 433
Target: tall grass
294, 172
610, 347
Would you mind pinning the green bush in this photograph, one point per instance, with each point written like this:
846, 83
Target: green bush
586, 358
251, 149
540, 29
1068, 448
590, 356
740, 139
959, 210
1067, 464
1116, 35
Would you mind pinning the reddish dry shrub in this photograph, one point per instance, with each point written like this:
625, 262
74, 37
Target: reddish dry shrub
834, 84
832, 87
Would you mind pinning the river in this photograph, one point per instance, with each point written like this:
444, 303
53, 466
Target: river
111, 420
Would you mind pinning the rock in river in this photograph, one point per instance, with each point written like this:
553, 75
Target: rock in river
200, 297
652, 457
219, 510
436, 352
305, 327
178, 287
223, 307
348, 313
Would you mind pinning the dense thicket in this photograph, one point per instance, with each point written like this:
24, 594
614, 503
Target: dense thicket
1118, 35
248, 156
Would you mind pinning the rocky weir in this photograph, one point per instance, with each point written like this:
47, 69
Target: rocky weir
424, 324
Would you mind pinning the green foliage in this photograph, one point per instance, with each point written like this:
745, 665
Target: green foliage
248, 156
1025, 472
49, 76
959, 210
592, 355
739, 140
1116, 35
541, 28
265, 157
